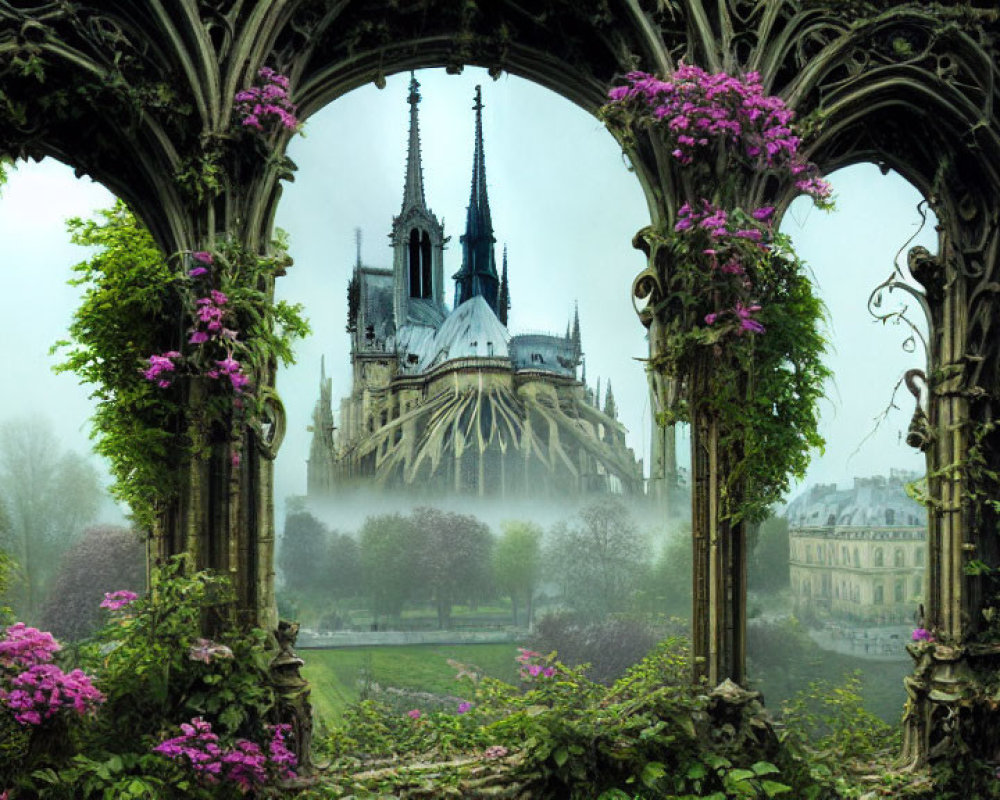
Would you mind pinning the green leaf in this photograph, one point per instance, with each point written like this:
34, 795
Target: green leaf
652, 772
764, 768
560, 756
773, 788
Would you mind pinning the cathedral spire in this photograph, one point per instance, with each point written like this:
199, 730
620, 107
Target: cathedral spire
413, 192
504, 302
478, 275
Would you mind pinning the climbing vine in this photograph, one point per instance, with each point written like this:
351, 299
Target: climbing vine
136, 299
735, 310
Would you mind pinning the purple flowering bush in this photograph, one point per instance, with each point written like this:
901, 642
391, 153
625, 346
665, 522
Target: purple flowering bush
148, 670
728, 301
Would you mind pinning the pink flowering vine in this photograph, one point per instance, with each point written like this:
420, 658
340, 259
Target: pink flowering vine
266, 106
698, 109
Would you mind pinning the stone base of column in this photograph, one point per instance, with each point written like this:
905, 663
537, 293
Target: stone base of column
292, 695
952, 707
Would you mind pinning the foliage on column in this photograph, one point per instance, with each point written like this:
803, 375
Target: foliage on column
735, 347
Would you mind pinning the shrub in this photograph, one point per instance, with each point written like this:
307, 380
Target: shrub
104, 559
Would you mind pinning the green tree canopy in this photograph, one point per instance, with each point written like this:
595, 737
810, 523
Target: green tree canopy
517, 564
454, 558
598, 558
387, 562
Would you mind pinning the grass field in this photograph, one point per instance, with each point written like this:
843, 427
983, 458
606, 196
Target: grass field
334, 674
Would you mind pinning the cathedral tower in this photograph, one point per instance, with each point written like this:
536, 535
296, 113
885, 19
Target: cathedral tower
417, 241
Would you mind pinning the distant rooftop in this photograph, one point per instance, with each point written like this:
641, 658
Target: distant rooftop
877, 501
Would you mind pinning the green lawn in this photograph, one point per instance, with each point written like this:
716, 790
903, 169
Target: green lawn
334, 674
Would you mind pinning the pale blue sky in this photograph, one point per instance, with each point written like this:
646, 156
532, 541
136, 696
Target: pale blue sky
567, 207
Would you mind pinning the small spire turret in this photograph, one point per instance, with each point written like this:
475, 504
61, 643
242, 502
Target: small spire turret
504, 301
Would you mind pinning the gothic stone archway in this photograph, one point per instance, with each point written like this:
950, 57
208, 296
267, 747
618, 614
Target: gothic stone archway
139, 96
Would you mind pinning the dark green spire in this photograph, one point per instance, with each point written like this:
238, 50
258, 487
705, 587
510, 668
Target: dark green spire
478, 275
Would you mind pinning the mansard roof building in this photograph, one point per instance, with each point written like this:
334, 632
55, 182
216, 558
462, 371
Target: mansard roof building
445, 400
858, 554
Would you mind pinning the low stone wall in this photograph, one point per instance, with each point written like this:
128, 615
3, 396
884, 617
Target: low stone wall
322, 641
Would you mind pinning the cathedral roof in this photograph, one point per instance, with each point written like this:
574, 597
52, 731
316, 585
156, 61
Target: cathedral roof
471, 331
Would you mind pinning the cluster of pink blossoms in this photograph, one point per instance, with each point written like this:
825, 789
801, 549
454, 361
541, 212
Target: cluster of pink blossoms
209, 326
34, 688
267, 105
23, 646
529, 667
42, 690
244, 764
116, 601
701, 108
161, 367
728, 240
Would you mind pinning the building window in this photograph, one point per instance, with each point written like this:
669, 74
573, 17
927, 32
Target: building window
845, 556
918, 556
918, 586
809, 554
879, 557
890, 516
425, 265
898, 558
900, 591
879, 596
419, 258
857, 560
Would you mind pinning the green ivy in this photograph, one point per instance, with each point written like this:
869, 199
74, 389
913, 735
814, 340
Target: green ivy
129, 309
136, 301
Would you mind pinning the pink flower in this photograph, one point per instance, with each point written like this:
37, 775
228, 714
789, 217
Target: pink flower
218, 297
197, 272
464, 706
711, 318
763, 213
413, 713
203, 257
234, 459
115, 601
495, 751
922, 635
198, 337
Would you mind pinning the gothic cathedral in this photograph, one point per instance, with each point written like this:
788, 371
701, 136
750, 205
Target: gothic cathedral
446, 401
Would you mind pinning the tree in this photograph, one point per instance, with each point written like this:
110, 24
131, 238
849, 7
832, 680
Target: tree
106, 558
344, 575
302, 555
387, 562
517, 564
598, 559
454, 557
49, 496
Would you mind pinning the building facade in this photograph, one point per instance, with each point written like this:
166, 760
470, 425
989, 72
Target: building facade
858, 555
445, 400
